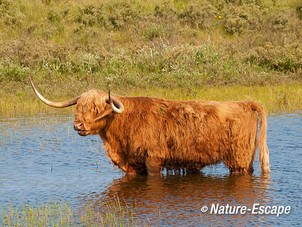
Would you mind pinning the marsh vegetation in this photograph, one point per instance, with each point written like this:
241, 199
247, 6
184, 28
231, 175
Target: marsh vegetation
141, 47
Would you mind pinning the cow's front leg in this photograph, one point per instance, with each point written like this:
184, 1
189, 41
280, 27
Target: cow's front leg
153, 166
131, 169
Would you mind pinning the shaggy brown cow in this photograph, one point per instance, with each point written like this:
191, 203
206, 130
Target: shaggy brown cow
145, 135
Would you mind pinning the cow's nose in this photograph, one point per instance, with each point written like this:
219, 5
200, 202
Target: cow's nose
78, 126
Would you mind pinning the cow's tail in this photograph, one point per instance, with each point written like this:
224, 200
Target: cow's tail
263, 151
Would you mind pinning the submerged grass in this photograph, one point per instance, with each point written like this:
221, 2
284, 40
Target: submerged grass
55, 214
111, 213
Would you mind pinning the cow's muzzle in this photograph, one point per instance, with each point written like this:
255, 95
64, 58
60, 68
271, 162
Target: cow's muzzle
79, 126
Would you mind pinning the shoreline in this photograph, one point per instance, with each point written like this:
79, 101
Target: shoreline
274, 98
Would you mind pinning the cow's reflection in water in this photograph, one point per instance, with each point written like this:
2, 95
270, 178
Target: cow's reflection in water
177, 199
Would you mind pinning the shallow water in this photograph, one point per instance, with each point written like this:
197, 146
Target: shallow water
42, 159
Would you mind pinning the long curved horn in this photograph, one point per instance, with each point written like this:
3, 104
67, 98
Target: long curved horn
116, 105
54, 104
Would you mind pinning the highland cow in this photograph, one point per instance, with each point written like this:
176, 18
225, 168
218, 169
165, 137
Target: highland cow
144, 135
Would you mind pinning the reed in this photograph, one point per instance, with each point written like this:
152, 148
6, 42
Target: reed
111, 213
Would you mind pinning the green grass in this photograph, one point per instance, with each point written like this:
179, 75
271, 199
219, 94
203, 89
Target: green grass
274, 98
153, 43
144, 47
110, 213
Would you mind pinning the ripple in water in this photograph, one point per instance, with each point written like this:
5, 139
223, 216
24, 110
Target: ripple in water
42, 159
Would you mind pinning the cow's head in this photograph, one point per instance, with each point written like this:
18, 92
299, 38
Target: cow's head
93, 108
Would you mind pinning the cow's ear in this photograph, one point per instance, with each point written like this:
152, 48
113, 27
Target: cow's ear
104, 114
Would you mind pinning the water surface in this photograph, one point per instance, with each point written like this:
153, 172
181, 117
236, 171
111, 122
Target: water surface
42, 159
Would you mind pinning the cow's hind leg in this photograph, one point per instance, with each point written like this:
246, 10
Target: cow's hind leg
239, 170
248, 169
251, 167
240, 164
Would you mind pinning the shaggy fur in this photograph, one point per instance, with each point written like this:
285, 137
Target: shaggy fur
152, 134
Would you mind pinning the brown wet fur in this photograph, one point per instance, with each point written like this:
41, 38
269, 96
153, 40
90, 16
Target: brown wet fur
153, 134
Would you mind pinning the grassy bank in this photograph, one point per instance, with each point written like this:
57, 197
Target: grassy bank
152, 43
224, 50
275, 99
